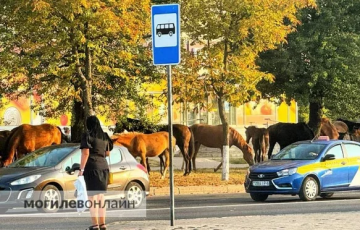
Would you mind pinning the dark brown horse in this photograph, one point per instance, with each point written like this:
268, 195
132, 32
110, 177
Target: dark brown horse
182, 133
147, 145
212, 136
3, 137
260, 141
27, 138
288, 133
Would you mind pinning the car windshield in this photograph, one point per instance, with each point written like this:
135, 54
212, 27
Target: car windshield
44, 157
304, 151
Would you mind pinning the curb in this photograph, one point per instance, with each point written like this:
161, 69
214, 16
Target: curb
186, 190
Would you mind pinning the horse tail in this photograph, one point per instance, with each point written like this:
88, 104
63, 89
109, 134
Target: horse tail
191, 149
10, 146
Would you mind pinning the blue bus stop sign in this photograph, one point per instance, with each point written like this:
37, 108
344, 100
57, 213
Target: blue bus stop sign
165, 30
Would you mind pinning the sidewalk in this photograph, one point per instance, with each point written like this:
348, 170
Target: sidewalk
323, 221
201, 162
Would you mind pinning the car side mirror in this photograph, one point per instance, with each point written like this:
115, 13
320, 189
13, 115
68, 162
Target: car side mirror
74, 167
329, 157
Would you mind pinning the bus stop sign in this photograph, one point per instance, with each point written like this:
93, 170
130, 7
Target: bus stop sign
165, 30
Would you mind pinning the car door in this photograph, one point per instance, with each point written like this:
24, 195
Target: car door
119, 168
353, 154
337, 170
69, 179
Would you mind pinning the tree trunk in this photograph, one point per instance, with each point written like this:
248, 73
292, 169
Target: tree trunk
87, 95
225, 149
315, 115
77, 122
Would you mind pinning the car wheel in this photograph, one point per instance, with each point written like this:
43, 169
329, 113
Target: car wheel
327, 195
3, 210
134, 193
259, 196
309, 189
49, 195
159, 34
170, 33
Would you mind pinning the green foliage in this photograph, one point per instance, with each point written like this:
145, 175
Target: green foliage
91, 52
232, 33
320, 60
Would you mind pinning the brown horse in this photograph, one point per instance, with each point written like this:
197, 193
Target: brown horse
342, 129
125, 138
260, 141
328, 129
182, 133
212, 136
27, 138
147, 145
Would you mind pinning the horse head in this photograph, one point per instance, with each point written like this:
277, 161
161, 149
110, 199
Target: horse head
64, 138
328, 129
249, 156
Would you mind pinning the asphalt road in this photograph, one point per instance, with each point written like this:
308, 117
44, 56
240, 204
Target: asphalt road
198, 206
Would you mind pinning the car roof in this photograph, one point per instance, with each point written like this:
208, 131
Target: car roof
326, 142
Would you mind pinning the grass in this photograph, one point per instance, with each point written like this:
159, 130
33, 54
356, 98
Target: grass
200, 177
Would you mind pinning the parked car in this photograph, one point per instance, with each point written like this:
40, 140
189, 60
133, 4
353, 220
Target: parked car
54, 169
308, 169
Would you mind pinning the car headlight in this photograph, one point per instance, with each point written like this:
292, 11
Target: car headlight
25, 180
287, 172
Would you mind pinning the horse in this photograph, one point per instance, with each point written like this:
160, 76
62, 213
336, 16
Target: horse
147, 145
27, 138
4, 134
185, 141
182, 133
328, 129
342, 129
212, 136
125, 140
287, 133
351, 125
259, 139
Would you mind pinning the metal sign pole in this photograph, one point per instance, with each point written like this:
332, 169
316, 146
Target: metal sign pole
170, 113
166, 51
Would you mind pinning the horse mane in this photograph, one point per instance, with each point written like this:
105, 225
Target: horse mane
239, 140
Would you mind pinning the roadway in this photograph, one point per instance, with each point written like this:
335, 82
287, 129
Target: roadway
190, 207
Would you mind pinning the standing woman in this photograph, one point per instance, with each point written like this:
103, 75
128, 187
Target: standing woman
95, 146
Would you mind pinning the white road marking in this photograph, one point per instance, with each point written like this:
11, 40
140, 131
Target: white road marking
186, 208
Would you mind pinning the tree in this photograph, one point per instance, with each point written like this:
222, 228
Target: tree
318, 66
83, 54
235, 32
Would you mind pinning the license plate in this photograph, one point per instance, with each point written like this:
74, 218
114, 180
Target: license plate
260, 183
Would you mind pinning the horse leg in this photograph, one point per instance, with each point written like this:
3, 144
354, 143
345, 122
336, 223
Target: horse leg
144, 162
167, 163
161, 163
197, 147
148, 165
272, 144
217, 168
185, 160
